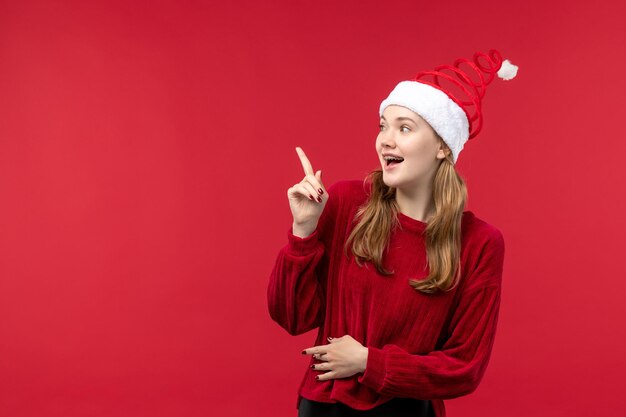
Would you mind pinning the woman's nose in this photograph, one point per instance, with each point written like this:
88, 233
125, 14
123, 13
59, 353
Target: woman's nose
387, 140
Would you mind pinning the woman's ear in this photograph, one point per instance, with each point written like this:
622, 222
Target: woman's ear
443, 152
444, 149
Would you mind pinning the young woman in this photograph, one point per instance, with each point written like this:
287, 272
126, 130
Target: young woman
403, 284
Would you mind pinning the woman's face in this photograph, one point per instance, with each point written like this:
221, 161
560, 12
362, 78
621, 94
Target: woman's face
404, 134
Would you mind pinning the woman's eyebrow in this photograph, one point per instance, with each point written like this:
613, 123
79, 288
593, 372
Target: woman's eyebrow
400, 118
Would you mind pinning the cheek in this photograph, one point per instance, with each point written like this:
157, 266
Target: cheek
417, 150
377, 142
422, 150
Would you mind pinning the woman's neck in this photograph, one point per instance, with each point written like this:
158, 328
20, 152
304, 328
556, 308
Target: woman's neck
416, 203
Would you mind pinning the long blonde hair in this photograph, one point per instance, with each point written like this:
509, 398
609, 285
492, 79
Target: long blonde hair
377, 218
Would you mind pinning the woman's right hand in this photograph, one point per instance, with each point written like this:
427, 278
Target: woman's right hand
307, 199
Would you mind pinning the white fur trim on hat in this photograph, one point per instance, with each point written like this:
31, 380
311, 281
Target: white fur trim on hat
434, 106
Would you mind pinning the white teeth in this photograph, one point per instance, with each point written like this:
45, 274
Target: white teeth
393, 158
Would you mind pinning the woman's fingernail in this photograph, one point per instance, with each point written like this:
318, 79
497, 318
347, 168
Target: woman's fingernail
320, 191
304, 352
317, 377
313, 366
310, 197
319, 199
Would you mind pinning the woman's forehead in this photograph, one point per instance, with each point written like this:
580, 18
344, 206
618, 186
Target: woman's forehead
395, 111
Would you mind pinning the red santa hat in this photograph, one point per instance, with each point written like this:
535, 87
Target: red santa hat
449, 99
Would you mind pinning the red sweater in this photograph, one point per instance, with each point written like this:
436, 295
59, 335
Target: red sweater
422, 346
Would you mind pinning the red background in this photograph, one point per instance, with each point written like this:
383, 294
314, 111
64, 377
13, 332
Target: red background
145, 152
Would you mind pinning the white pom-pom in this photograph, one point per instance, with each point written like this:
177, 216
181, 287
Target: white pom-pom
507, 71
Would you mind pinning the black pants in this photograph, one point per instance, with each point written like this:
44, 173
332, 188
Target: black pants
396, 407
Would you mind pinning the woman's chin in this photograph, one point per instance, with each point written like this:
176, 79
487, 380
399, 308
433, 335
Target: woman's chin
389, 182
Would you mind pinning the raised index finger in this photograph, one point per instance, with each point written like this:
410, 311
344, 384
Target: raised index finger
308, 169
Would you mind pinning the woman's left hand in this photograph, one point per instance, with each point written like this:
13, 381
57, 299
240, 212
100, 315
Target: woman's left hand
342, 358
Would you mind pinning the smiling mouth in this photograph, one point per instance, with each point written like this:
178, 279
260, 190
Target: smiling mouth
391, 161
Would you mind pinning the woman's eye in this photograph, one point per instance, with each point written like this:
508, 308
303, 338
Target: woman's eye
405, 127
381, 126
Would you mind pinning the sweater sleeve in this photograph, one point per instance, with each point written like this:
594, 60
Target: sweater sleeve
459, 366
296, 293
